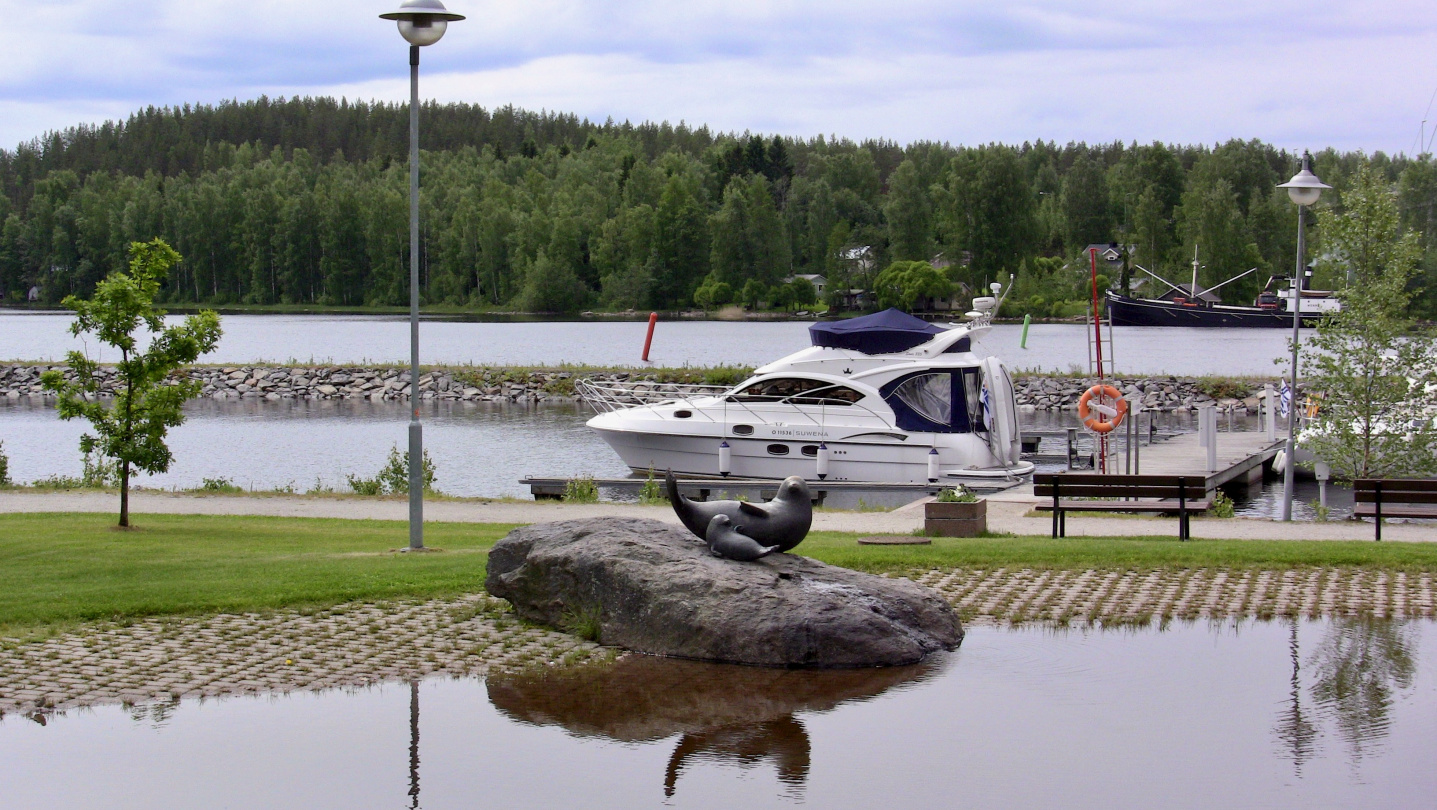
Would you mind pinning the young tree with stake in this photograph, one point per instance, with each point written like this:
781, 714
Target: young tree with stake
147, 401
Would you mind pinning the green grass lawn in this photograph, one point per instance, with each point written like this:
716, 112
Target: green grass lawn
64, 568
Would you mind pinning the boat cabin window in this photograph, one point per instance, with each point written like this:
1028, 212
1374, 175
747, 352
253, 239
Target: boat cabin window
948, 401
798, 390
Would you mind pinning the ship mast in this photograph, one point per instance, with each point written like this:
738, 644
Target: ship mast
1193, 290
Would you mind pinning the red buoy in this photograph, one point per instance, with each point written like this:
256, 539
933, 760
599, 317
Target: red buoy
649, 338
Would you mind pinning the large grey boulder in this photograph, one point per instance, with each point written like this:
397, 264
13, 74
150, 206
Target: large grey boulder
654, 588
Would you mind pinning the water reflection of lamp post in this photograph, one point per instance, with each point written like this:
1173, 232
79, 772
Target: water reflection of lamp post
421, 22
1304, 188
414, 745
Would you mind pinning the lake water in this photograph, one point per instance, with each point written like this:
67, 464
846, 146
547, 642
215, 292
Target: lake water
1324, 714
479, 449
360, 339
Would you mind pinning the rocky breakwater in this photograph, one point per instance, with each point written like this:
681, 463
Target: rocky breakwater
331, 382
654, 588
482, 384
1155, 393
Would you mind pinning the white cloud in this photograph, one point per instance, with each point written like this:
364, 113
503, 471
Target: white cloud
1355, 75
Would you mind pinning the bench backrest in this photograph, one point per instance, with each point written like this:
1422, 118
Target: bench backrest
1098, 485
1395, 490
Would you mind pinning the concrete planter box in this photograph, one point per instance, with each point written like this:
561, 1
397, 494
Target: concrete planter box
955, 519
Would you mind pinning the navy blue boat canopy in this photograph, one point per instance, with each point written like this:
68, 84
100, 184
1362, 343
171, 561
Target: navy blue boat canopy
883, 332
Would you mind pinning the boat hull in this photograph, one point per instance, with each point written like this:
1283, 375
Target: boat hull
896, 462
1127, 311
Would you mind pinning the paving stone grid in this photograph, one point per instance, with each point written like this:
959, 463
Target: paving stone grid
158, 662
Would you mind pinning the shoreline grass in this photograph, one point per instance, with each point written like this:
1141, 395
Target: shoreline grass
62, 568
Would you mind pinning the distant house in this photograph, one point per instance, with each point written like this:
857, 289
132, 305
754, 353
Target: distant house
860, 258
819, 282
1110, 256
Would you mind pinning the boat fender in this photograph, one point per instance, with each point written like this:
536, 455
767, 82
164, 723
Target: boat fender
822, 460
1098, 417
725, 458
933, 465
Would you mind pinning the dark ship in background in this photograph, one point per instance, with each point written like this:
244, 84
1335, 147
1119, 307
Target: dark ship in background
1192, 305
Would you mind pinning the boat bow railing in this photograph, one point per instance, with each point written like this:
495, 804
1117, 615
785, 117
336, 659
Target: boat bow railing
621, 395
606, 397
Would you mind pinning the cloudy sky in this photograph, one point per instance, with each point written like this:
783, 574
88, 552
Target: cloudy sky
1354, 75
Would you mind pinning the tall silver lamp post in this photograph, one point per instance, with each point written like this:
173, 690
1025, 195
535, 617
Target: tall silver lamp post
421, 22
1304, 188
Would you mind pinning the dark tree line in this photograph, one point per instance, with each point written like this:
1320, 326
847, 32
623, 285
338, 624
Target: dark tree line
304, 201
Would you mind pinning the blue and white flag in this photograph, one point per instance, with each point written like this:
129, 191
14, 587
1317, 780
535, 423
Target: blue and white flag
1284, 399
987, 401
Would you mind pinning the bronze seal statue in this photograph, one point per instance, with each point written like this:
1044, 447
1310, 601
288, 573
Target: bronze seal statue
725, 540
782, 522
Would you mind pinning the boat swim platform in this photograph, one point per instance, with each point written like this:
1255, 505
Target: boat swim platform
764, 488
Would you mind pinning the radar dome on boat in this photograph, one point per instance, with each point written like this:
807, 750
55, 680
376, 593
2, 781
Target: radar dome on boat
883, 332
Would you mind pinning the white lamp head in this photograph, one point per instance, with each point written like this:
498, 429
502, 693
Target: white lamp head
422, 22
1304, 188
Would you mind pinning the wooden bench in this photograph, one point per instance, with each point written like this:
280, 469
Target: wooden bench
1166, 494
1394, 497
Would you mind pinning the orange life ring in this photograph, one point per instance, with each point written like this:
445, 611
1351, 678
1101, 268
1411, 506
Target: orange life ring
1097, 422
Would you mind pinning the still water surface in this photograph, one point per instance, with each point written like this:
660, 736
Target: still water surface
1270, 715
363, 339
479, 449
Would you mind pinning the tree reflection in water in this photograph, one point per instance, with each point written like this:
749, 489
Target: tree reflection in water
1357, 669
727, 714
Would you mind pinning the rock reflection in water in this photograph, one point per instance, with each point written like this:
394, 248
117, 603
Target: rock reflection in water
723, 713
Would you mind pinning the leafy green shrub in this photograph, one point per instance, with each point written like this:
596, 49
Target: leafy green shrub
393, 477
4, 467
220, 484
98, 472
581, 490
652, 492
1222, 505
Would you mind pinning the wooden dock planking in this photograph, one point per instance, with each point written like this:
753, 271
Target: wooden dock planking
1240, 457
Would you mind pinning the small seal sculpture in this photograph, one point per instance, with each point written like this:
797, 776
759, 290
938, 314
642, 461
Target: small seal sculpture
782, 522
725, 540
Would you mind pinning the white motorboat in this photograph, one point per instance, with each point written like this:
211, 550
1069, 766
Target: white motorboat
882, 398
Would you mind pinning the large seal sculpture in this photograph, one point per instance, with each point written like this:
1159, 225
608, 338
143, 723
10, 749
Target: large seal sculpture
782, 522
728, 541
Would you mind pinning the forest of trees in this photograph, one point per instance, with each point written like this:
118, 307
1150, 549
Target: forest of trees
304, 201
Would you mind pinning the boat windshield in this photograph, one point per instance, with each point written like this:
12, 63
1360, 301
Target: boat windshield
938, 401
931, 395
798, 390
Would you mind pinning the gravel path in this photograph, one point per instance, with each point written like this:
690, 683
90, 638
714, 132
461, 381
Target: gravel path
1005, 514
